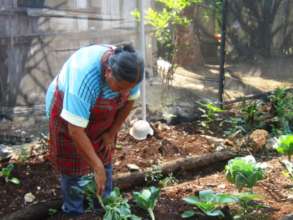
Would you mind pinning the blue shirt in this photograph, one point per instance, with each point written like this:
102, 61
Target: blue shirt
81, 81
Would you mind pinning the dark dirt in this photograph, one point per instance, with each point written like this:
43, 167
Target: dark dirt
168, 143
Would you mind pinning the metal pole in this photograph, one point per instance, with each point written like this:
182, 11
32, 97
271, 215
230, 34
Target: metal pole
142, 49
222, 53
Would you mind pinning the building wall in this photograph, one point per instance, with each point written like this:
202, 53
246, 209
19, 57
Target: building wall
38, 36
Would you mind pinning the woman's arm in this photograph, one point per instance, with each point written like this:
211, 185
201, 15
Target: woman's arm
109, 136
86, 149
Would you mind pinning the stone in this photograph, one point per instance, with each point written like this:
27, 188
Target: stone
5, 152
257, 140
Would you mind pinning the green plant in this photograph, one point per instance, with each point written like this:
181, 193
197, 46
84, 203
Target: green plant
209, 203
285, 145
88, 189
154, 175
6, 172
168, 181
147, 199
282, 111
252, 115
246, 200
164, 20
236, 126
244, 172
52, 212
116, 207
210, 113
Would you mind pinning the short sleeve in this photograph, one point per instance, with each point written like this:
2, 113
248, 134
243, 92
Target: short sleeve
134, 93
75, 110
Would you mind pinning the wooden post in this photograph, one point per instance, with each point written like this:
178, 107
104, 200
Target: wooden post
223, 53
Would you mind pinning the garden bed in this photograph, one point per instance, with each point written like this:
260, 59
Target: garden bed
168, 143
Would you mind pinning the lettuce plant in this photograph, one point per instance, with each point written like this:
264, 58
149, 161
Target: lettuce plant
244, 172
209, 203
147, 199
6, 172
116, 207
285, 145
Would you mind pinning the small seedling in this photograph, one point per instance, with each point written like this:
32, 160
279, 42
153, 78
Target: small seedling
168, 181
244, 172
147, 199
154, 175
210, 113
285, 145
6, 172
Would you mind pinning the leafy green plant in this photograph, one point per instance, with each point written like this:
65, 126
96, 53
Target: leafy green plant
164, 20
154, 175
252, 115
244, 172
88, 189
246, 200
282, 111
116, 207
6, 172
236, 126
168, 181
147, 199
285, 145
209, 203
210, 113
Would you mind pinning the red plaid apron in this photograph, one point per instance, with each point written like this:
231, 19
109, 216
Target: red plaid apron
62, 150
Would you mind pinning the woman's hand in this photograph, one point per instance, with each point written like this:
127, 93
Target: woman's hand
100, 178
108, 139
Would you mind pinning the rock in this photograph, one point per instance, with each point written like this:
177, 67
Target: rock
288, 217
29, 197
5, 152
133, 167
258, 139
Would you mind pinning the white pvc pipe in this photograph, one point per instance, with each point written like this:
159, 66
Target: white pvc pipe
142, 49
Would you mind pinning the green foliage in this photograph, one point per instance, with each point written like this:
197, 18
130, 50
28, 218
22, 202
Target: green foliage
116, 207
168, 181
252, 115
282, 110
210, 113
165, 20
246, 200
6, 172
154, 175
285, 145
52, 212
147, 199
88, 189
209, 203
244, 172
236, 126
